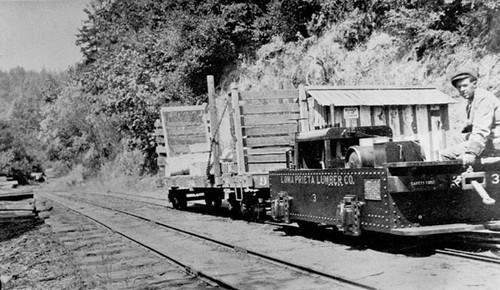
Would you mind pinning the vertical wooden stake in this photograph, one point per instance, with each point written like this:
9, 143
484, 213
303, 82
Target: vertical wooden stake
304, 124
240, 158
214, 131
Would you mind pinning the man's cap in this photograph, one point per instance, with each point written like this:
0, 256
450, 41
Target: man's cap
463, 74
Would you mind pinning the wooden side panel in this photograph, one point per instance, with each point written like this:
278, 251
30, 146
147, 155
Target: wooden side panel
160, 146
270, 119
269, 95
263, 108
338, 117
269, 141
265, 167
274, 129
378, 116
365, 116
269, 158
304, 125
240, 157
408, 122
182, 127
436, 128
268, 123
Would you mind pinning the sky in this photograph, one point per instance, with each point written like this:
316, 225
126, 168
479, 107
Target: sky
40, 34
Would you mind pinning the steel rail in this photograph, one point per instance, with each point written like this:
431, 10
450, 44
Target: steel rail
468, 255
238, 249
187, 269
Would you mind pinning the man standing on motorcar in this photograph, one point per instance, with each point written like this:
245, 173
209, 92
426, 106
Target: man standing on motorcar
481, 135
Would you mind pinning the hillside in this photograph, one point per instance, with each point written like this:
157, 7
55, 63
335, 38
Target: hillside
322, 61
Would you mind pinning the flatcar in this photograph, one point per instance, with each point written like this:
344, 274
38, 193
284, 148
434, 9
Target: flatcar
386, 187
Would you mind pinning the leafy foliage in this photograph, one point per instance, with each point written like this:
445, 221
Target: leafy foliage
14, 158
71, 134
140, 55
22, 96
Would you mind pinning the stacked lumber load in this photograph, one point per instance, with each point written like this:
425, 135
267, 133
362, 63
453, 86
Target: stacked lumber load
6, 183
17, 204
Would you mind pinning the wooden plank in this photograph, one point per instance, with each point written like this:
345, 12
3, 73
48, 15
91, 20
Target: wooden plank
394, 123
268, 141
13, 194
304, 125
270, 108
262, 119
9, 184
199, 147
408, 121
186, 129
163, 117
423, 131
161, 149
184, 108
267, 150
159, 132
161, 160
365, 116
436, 131
267, 94
27, 204
332, 115
273, 129
181, 149
240, 158
263, 167
160, 140
271, 158
378, 116
16, 215
339, 117
187, 140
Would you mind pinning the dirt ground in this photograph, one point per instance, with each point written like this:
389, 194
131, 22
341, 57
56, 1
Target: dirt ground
32, 258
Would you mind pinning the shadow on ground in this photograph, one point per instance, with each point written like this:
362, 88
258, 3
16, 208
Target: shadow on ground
15, 227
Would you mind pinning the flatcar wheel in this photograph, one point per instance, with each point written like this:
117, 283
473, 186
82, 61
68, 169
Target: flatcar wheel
247, 211
234, 208
217, 200
178, 199
213, 198
208, 199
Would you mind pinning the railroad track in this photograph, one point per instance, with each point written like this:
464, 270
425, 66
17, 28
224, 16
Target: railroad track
255, 270
469, 255
350, 261
483, 239
110, 261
